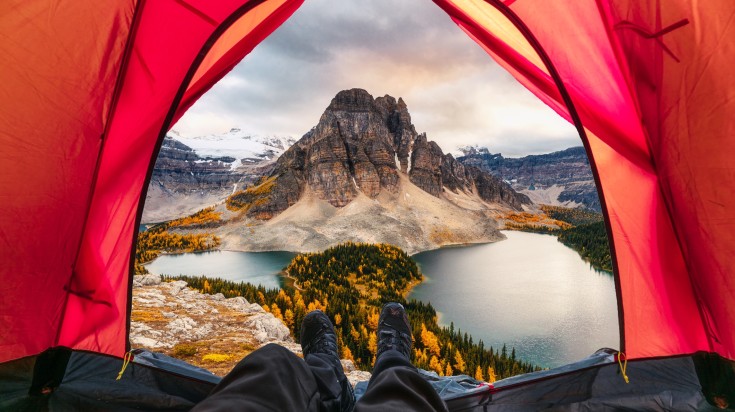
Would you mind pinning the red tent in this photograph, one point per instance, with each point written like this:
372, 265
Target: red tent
89, 89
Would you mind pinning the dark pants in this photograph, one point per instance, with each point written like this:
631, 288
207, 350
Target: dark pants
274, 379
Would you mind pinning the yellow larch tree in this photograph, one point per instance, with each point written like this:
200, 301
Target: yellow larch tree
478, 374
430, 341
491, 377
347, 353
435, 365
288, 318
373, 343
459, 361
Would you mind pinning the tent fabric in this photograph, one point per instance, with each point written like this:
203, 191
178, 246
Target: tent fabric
59, 68
157, 382
91, 87
647, 83
687, 101
148, 91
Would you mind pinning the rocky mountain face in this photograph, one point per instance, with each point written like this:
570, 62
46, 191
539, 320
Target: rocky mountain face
189, 177
180, 169
563, 177
361, 146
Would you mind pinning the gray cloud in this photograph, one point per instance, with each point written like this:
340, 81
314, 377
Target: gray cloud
410, 48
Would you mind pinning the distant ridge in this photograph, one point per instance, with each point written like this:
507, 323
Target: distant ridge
194, 172
563, 177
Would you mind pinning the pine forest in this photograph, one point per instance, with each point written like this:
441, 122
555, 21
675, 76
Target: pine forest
350, 283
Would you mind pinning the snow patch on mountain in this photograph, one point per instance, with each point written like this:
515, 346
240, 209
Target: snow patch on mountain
246, 147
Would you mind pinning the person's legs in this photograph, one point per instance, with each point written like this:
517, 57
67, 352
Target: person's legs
319, 344
274, 379
269, 379
396, 384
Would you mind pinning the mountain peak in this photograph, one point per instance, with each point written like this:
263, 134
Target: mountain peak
363, 145
352, 100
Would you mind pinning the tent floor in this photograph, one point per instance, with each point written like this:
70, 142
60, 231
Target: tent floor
64, 380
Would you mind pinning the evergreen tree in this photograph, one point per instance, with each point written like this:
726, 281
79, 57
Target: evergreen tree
350, 283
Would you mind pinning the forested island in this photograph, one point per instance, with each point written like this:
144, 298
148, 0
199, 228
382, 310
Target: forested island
351, 282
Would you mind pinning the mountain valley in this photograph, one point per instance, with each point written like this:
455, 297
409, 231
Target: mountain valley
364, 174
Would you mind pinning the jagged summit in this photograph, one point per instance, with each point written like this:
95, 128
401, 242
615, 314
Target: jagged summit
361, 145
357, 100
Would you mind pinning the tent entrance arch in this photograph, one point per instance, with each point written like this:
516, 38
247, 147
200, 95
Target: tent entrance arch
650, 120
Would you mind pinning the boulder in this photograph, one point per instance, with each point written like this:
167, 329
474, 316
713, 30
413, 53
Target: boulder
146, 280
266, 328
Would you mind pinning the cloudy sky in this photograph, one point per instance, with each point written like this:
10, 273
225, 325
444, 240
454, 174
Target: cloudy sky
409, 48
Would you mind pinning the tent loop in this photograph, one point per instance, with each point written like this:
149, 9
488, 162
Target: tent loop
126, 361
623, 362
646, 34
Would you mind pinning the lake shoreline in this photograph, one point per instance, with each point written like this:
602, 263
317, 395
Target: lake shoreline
295, 252
446, 246
487, 289
532, 293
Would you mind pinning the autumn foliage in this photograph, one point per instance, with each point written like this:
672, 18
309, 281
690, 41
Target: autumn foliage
203, 218
254, 195
160, 239
350, 283
538, 222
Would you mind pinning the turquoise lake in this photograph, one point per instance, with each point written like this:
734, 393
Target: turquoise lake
528, 291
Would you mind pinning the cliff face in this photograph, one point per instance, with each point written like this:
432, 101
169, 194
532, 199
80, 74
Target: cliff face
569, 170
206, 169
360, 146
436, 172
181, 170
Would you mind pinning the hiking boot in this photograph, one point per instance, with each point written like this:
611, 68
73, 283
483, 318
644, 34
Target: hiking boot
394, 330
317, 335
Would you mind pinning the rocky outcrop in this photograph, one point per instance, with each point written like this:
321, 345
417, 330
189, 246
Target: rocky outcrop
360, 146
168, 313
426, 162
435, 172
172, 318
567, 171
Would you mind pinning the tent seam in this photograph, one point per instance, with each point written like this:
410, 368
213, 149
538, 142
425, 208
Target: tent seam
113, 105
196, 63
622, 61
